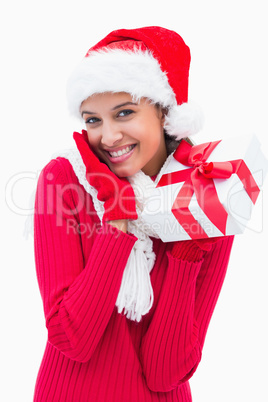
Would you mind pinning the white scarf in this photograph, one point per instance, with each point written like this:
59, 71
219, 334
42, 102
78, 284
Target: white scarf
135, 297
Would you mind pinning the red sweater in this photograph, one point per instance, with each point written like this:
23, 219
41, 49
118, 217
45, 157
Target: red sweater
93, 353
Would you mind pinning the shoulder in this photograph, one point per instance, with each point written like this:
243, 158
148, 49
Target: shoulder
59, 170
58, 184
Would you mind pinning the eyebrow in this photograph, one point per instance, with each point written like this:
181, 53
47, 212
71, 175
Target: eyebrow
124, 104
114, 108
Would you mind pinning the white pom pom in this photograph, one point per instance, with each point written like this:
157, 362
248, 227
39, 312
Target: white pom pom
184, 120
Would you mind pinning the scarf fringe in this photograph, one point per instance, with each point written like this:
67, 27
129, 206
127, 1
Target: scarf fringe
136, 296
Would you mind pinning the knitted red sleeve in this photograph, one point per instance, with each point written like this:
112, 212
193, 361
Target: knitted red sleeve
78, 296
172, 347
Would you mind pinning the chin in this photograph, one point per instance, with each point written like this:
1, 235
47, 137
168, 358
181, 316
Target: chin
124, 172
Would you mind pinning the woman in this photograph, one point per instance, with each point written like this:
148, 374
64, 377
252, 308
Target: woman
126, 313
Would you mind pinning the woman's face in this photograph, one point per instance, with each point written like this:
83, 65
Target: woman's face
127, 136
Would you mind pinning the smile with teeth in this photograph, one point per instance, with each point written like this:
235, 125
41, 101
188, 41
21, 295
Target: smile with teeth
121, 152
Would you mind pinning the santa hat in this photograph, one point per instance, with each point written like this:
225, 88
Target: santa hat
151, 62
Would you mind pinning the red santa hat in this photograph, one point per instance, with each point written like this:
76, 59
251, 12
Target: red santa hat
151, 62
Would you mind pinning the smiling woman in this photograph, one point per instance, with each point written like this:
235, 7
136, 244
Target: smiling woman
127, 140
126, 314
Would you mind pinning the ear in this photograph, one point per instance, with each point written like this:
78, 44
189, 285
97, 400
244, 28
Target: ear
164, 112
161, 113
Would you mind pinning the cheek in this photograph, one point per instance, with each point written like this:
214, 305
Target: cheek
94, 143
153, 139
93, 139
149, 148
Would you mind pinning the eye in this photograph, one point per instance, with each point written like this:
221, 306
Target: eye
92, 120
125, 112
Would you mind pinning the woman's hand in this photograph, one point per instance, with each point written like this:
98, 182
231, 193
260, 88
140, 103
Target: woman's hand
116, 193
193, 250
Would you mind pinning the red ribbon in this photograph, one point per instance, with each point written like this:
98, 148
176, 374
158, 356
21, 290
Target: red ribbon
198, 180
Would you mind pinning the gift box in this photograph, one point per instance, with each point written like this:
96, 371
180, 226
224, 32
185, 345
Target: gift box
207, 190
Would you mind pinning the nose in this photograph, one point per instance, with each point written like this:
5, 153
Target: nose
111, 134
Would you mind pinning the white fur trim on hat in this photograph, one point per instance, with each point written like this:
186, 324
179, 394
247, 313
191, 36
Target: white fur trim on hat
184, 120
135, 72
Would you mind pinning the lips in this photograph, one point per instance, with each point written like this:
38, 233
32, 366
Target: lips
120, 154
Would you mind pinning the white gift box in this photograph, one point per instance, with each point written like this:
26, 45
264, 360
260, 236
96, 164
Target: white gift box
236, 202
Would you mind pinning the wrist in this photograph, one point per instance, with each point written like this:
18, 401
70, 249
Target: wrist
120, 224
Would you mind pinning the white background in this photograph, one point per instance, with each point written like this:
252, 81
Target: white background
41, 43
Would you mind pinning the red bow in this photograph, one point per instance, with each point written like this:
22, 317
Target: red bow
198, 180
